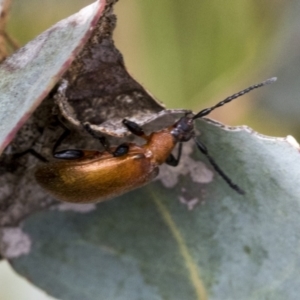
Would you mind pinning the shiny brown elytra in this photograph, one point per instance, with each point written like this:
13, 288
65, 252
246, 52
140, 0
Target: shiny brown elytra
98, 176
84, 176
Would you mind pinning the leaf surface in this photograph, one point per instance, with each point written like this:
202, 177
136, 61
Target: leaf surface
147, 244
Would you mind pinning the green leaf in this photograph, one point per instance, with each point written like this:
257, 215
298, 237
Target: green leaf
28, 75
148, 245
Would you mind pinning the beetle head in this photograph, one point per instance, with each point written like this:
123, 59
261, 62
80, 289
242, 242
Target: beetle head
183, 129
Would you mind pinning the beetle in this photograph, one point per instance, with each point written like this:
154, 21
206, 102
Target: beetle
85, 176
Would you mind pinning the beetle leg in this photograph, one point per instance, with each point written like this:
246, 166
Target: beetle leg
11, 164
33, 153
172, 160
64, 135
69, 154
135, 128
104, 142
202, 148
121, 150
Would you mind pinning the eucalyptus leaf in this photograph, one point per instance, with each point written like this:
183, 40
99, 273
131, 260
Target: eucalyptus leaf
28, 75
148, 244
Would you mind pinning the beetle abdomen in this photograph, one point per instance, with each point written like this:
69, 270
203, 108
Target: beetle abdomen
85, 181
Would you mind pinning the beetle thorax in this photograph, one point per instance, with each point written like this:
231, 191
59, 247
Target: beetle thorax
183, 129
160, 145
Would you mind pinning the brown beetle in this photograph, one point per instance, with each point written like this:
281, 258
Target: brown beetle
84, 176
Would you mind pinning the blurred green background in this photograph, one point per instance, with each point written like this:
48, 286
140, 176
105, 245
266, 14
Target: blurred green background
193, 53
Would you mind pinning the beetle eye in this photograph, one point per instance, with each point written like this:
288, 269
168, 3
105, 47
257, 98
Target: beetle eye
121, 150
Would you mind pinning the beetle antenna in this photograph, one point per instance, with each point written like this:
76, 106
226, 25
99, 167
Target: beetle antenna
203, 149
207, 111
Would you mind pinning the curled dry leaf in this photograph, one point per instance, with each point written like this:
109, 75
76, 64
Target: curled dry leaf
98, 89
